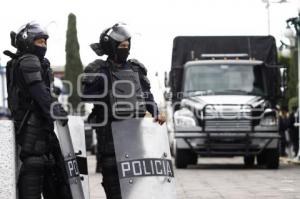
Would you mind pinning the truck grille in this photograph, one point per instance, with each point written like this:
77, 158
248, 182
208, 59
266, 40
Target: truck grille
228, 125
227, 118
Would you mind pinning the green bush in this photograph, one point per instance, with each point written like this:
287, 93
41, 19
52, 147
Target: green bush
293, 102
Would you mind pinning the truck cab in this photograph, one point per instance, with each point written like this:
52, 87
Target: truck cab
225, 106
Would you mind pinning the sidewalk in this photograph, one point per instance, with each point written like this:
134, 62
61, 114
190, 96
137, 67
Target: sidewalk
212, 176
95, 179
288, 160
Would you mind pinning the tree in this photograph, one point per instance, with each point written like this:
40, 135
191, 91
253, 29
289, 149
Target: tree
73, 67
291, 63
289, 92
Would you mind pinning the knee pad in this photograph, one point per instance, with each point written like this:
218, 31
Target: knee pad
33, 164
109, 163
34, 141
30, 181
106, 146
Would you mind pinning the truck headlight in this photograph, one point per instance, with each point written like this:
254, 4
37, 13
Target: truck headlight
269, 120
184, 118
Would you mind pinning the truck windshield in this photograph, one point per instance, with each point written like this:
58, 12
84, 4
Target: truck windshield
224, 79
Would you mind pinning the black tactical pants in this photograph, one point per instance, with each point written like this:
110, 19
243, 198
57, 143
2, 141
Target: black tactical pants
110, 181
99, 148
42, 170
294, 133
283, 143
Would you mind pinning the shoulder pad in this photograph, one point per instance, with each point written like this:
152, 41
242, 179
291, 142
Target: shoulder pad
140, 66
29, 63
95, 66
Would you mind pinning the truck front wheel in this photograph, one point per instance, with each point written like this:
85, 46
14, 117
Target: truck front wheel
193, 158
261, 158
272, 158
182, 158
249, 160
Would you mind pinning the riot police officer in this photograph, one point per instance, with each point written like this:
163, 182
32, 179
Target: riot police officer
28, 81
114, 42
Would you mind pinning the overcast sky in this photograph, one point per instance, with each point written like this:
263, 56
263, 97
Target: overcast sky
153, 23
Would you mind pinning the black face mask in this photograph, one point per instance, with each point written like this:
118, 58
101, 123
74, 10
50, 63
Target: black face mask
121, 55
40, 51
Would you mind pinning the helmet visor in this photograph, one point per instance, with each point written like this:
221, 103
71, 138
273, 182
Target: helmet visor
34, 29
119, 33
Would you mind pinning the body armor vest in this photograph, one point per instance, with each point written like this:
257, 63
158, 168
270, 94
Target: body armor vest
19, 100
126, 96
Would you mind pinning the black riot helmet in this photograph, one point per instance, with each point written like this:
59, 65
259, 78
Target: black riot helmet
24, 39
110, 39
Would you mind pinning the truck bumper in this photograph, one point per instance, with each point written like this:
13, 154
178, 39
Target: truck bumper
227, 144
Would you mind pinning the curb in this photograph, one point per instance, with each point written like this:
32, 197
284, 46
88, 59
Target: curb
289, 161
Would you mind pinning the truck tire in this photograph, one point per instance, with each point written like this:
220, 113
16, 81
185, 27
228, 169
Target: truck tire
249, 160
261, 158
193, 158
272, 158
182, 158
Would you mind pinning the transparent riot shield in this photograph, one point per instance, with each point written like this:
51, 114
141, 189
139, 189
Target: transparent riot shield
8, 160
144, 161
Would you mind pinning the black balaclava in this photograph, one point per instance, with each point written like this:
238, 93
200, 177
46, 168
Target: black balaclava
39, 51
121, 55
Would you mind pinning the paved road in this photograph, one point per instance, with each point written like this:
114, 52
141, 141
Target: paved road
224, 178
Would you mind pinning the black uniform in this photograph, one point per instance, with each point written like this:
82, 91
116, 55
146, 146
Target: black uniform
283, 127
95, 86
42, 169
294, 131
115, 68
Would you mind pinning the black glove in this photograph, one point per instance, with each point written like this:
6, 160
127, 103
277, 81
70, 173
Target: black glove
60, 113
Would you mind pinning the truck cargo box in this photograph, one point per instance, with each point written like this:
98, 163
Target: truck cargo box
188, 48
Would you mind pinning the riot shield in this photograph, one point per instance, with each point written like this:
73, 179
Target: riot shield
70, 159
8, 160
144, 161
77, 132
